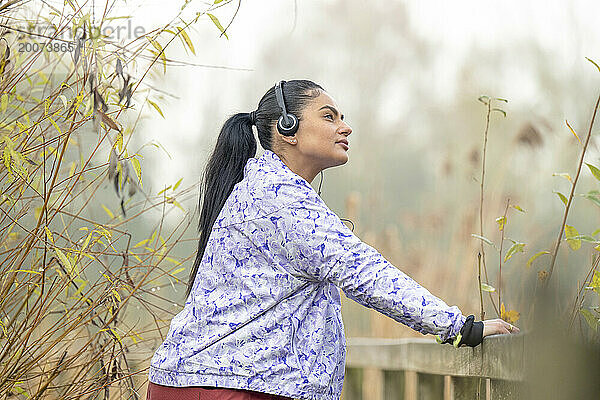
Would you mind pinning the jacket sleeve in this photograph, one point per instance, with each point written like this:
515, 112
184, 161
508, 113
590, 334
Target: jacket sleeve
319, 246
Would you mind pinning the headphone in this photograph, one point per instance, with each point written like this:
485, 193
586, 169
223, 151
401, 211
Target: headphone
287, 124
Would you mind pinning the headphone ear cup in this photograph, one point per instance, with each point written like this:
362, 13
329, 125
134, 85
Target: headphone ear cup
287, 131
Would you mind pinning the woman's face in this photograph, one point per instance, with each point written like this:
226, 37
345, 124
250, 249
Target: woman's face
321, 140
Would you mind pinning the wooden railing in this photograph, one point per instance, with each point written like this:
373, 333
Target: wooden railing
419, 369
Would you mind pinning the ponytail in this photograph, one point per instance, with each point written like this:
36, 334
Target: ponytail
225, 167
235, 145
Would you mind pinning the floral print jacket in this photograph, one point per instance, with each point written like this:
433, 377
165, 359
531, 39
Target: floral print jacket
264, 311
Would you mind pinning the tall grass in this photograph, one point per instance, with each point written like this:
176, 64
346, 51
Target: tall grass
79, 292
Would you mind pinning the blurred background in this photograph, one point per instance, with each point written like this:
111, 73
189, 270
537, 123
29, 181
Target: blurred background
409, 78
408, 75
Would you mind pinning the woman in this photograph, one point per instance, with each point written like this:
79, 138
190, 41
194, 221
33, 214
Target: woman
262, 318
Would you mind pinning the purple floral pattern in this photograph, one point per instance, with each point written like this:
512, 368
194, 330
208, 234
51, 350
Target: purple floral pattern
264, 312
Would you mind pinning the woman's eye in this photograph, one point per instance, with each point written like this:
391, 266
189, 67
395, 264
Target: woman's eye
329, 115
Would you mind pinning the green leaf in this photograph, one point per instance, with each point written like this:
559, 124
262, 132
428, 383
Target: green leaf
215, 20
571, 233
589, 318
488, 241
586, 238
562, 197
532, 259
156, 107
595, 171
594, 197
484, 99
499, 110
517, 247
487, 288
595, 284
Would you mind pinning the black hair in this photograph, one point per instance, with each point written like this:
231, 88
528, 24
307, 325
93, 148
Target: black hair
235, 145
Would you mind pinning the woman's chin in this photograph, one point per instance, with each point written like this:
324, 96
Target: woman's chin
342, 159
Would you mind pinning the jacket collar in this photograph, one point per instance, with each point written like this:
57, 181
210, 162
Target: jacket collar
269, 162
268, 185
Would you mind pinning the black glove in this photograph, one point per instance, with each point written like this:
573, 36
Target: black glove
471, 332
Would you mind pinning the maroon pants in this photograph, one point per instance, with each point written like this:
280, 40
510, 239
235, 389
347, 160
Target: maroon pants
160, 392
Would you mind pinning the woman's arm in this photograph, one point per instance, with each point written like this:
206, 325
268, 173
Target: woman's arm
320, 247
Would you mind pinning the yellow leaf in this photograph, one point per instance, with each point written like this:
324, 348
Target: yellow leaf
592, 61
63, 98
215, 20
4, 102
156, 107
570, 232
510, 316
501, 221
516, 207
143, 242
186, 40
562, 198
161, 52
487, 287
72, 169
119, 141
49, 234
536, 256
138, 169
177, 184
64, 260
154, 43
564, 175
573, 131
515, 248
55, 125
110, 214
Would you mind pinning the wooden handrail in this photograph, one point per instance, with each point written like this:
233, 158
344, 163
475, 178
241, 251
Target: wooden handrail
412, 369
498, 357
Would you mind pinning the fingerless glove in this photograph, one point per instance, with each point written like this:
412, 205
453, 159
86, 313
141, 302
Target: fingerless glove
471, 333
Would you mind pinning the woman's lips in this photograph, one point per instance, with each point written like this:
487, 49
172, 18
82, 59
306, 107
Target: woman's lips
344, 144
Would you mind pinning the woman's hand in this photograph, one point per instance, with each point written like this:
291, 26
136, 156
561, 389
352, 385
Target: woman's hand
498, 326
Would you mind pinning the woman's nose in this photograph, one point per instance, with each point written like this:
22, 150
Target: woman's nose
346, 129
